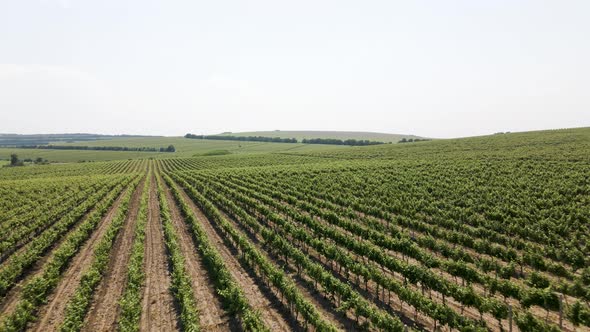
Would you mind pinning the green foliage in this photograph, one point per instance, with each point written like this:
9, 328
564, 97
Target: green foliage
170, 148
130, 302
537, 280
334, 141
528, 323
579, 314
216, 153
181, 285
242, 138
14, 159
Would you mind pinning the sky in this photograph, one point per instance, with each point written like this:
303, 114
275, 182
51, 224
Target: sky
429, 68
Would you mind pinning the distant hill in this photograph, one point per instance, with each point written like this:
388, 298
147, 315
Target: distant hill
41, 139
343, 135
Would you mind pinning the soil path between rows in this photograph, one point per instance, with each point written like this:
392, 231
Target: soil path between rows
212, 317
158, 312
104, 309
269, 313
52, 314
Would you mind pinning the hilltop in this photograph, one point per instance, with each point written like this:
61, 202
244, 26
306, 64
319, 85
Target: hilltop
343, 135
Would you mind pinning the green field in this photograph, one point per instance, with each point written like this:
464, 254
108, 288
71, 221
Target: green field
342, 135
481, 234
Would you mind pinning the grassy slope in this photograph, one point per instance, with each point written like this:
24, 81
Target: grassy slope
382, 137
563, 144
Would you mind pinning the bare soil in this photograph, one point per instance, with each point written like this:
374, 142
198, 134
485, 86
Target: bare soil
158, 311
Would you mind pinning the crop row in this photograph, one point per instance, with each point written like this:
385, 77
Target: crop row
130, 302
349, 299
35, 291
17, 264
80, 302
181, 285
449, 289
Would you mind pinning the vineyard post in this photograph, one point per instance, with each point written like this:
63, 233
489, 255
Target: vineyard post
510, 318
561, 311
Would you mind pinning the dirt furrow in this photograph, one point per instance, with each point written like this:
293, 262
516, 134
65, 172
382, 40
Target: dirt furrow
212, 317
158, 312
268, 310
52, 314
104, 310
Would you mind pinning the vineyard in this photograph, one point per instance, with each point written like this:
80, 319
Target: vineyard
477, 234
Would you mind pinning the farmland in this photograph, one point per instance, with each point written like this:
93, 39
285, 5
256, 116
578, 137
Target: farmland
184, 148
476, 234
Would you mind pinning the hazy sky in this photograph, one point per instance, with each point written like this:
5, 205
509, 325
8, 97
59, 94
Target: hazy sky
431, 68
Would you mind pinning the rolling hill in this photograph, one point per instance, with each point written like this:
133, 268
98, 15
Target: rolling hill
343, 135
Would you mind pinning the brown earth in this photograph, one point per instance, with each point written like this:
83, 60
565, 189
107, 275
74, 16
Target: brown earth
158, 312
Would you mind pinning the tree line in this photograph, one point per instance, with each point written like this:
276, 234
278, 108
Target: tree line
411, 140
170, 148
243, 138
333, 141
15, 161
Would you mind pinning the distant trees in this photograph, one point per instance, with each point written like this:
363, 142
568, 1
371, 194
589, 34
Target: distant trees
170, 148
333, 141
243, 138
412, 140
14, 161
